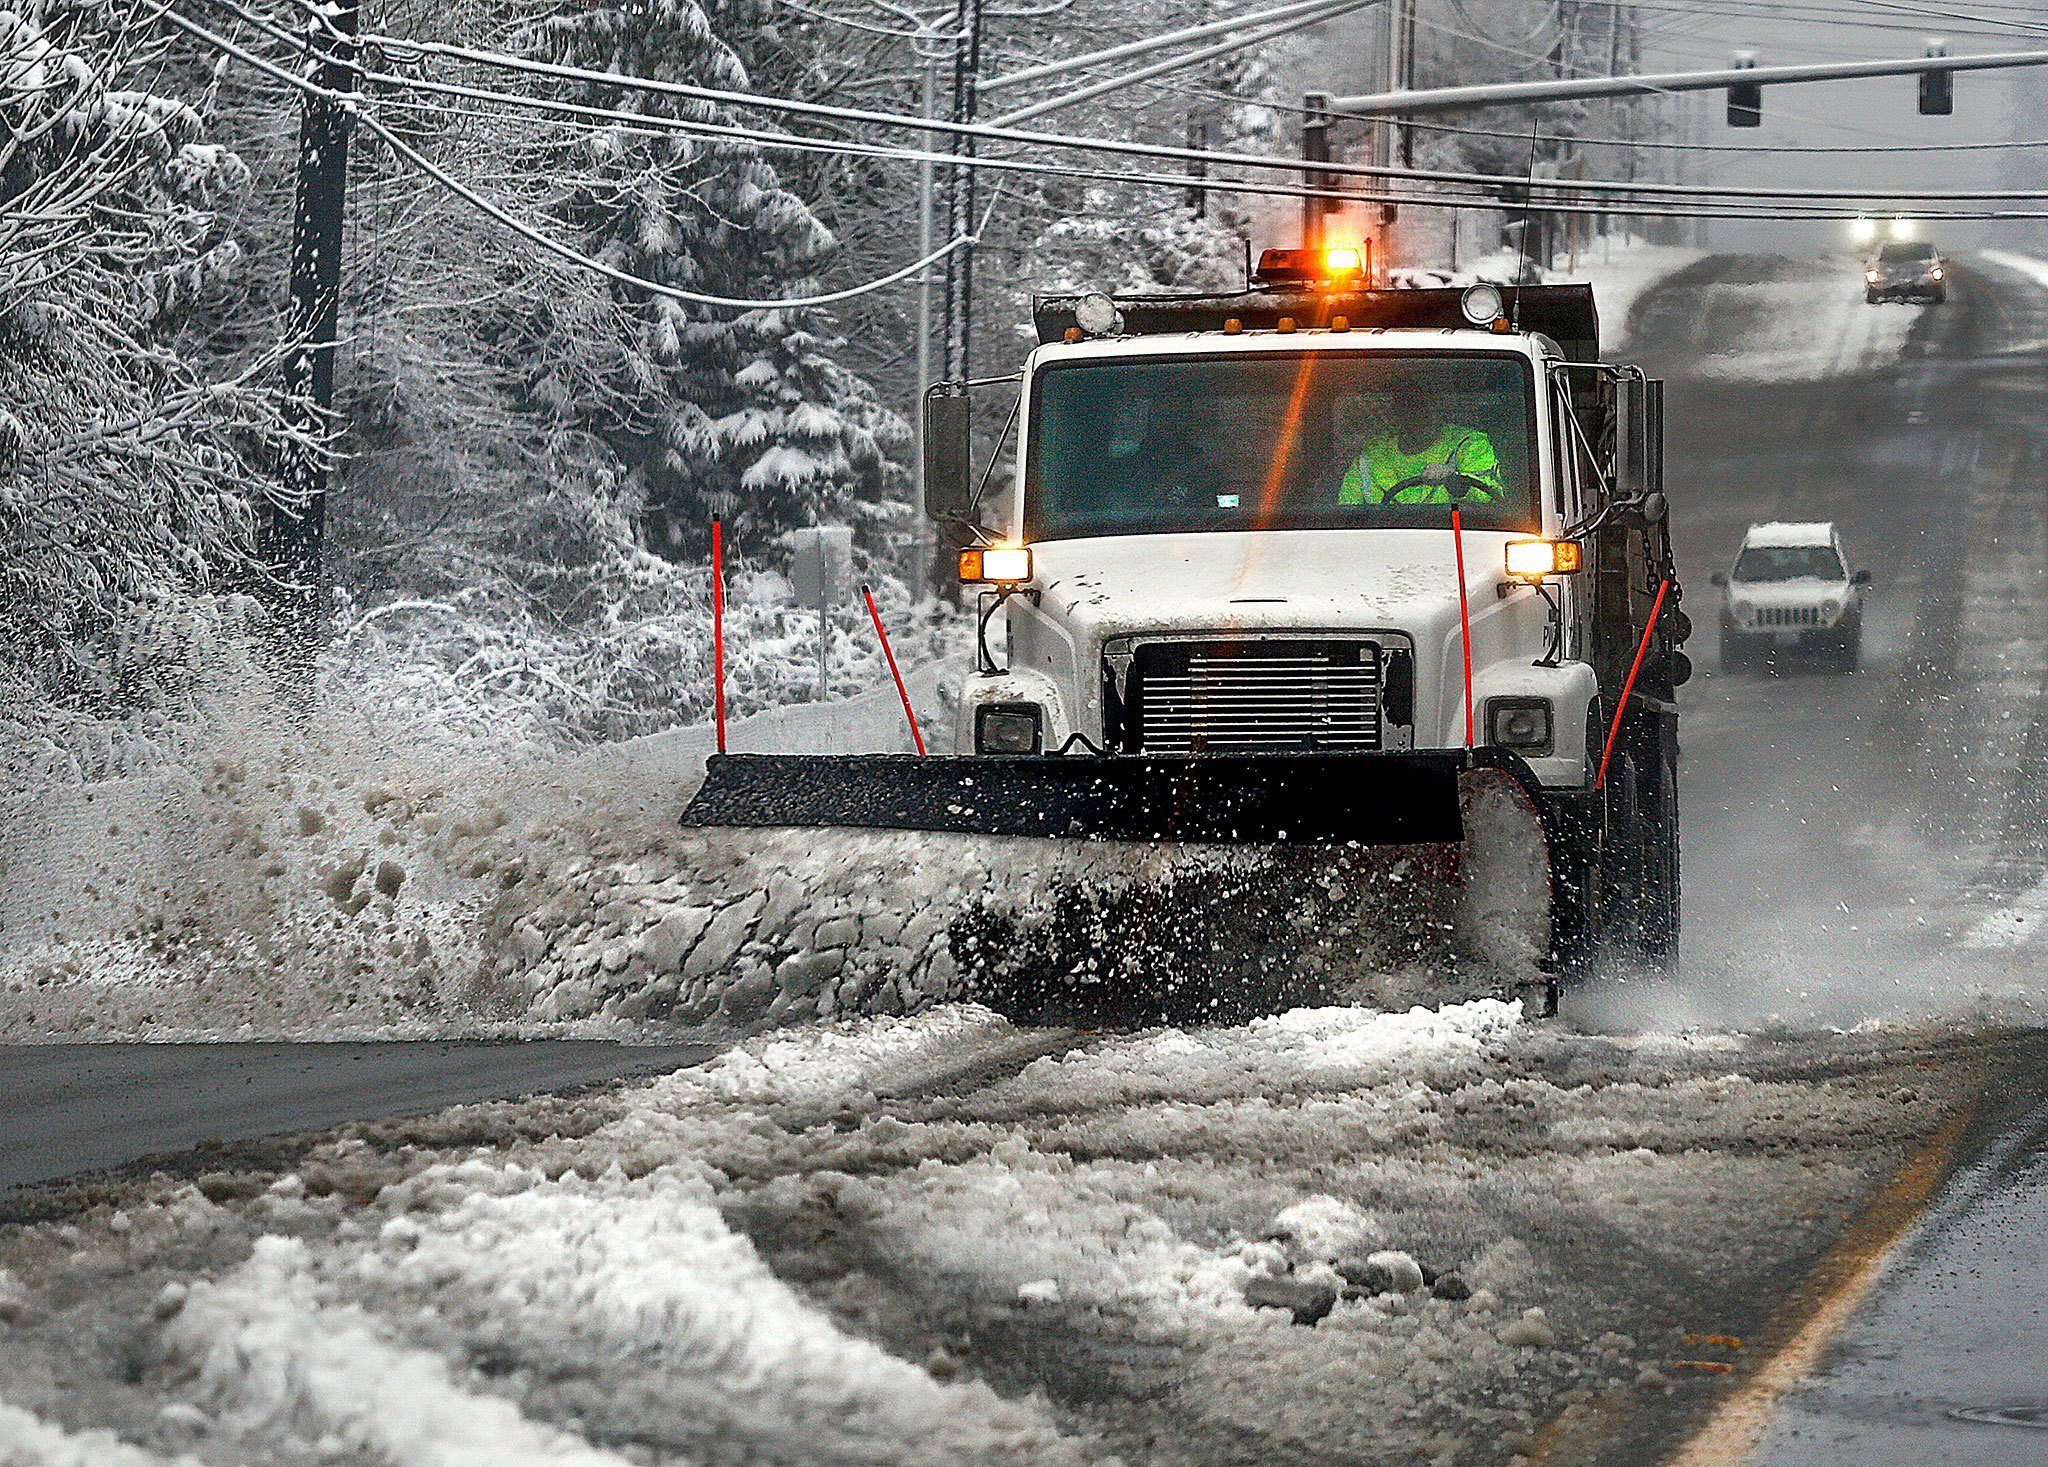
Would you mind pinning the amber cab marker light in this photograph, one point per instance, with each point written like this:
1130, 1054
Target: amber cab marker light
1285, 325
1534, 560
998, 565
1340, 323
1232, 326
1073, 335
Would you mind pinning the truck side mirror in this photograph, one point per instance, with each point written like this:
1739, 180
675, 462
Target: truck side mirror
1631, 439
1720, 578
1861, 578
948, 456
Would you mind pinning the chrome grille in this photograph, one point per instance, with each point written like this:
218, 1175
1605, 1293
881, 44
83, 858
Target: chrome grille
1787, 616
1233, 697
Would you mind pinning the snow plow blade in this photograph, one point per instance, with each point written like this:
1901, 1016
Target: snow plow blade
1115, 890
1227, 799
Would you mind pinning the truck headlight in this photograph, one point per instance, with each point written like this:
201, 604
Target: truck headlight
1831, 609
1009, 728
1532, 560
1002, 565
1521, 724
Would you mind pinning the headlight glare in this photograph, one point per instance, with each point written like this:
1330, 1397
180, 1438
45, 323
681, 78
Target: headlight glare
1532, 560
1002, 565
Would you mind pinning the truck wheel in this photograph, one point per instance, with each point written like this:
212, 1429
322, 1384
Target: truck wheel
1659, 813
1639, 888
1577, 899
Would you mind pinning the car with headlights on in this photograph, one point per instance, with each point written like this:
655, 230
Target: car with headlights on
1791, 589
1906, 270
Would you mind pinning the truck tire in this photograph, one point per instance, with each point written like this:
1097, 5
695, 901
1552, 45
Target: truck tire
1572, 824
1660, 912
1640, 885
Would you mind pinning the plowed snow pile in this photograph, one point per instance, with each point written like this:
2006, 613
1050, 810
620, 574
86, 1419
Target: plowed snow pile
1332, 1235
296, 884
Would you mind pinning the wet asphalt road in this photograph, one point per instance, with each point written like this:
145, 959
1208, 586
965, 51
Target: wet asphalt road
69, 1108
1843, 833
1946, 1365
1848, 837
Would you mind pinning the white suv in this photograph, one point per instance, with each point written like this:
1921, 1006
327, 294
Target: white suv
1791, 587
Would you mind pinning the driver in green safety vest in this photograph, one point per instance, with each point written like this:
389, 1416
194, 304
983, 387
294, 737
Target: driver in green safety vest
1417, 458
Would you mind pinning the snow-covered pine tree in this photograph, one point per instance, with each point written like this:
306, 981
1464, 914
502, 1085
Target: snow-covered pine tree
742, 414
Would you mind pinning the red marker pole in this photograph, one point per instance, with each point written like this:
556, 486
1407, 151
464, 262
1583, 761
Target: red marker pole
718, 629
1629, 686
901, 691
1464, 616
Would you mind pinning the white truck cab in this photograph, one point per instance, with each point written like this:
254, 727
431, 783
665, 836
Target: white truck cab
1315, 518
1791, 588
1182, 498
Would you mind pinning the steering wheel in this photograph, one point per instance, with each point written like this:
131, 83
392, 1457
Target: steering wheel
1459, 484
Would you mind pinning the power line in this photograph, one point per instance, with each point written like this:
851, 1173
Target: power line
752, 136
1028, 138
427, 166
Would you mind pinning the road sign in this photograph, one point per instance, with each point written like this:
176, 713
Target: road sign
821, 567
821, 572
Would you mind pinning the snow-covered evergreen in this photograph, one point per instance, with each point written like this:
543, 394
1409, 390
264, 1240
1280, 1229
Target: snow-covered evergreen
740, 414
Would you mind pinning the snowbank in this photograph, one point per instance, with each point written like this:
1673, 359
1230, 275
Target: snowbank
302, 883
1619, 272
2033, 269
1806, 327
26, 1441
1621, 277
641, 1278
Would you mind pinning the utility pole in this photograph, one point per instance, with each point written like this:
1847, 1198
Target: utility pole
1315, 148
960, 192
289, 535
926, 227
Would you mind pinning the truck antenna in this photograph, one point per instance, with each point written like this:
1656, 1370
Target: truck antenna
1528, 221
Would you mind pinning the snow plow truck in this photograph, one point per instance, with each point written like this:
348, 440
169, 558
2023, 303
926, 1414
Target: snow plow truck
1325, 632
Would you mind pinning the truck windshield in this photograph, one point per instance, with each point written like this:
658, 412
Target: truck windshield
1279, 441
1789, 563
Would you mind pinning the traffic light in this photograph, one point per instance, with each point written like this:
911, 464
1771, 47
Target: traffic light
1745, 99
1937, 88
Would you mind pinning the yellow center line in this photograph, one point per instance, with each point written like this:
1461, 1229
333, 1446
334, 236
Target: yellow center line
1825, 1302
